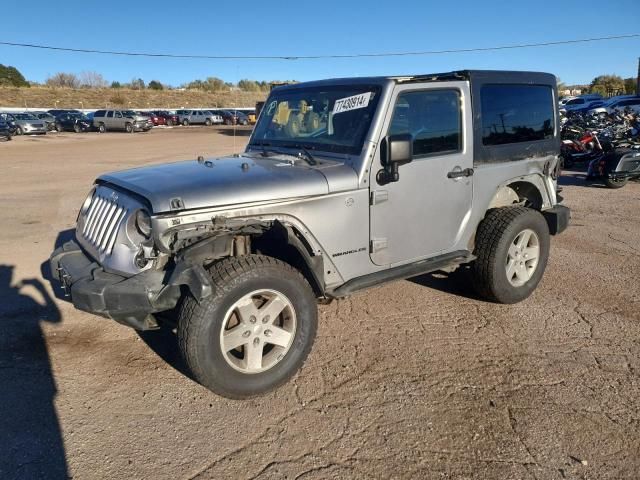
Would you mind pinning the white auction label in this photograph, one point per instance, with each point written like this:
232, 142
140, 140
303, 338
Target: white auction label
352, 103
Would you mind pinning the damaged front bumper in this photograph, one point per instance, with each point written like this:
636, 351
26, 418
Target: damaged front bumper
131, 301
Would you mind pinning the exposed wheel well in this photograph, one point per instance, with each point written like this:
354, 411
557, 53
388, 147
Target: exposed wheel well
288, 245
528, 193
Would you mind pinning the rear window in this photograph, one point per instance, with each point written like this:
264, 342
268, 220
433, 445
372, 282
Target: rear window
516, 113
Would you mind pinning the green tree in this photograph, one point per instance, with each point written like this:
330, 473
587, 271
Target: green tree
249, 85
137, 84
630, 85
211, 84
155, 85
607, 85
116, 84
10, 76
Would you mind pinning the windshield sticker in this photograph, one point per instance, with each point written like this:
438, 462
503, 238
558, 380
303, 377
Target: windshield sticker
352, 103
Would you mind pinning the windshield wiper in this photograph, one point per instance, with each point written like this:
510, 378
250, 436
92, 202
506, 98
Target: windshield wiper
264, 146
303, 150
309, 158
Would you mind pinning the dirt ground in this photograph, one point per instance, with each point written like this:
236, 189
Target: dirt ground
415, 379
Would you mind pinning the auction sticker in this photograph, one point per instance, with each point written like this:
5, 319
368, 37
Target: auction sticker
352, 103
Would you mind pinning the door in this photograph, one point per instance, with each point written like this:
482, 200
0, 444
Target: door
424, 212
118, 121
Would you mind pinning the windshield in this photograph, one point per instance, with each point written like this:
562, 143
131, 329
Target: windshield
129, 113
25, 116
79, 116
331, 118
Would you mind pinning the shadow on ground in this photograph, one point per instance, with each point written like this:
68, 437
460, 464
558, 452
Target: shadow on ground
238, 131
30, 435
457, 282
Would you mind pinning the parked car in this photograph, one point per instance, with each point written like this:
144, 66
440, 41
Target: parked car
197, 117
27, 124
240, 249
11, 124
57, 111
5, 130
73, 122
619, 104
170, 119
581, 103
47, 118
127, 120
228, 117
155, 119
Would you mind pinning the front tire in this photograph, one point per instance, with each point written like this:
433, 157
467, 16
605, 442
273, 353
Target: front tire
102, 128
254, 332
128, 128
19, 131
207, 122
185, 123
512, 249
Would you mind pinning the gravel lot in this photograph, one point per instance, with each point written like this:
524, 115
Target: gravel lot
415, 379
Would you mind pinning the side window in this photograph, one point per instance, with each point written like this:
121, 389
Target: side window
110, 114
118, 115
516, 113
432, 118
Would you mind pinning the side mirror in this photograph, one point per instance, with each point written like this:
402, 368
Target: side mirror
396, 150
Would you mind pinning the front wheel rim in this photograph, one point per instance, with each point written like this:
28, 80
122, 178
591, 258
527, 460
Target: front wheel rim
258, 331
522, 257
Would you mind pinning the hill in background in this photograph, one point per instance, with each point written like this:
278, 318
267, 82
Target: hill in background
46, 97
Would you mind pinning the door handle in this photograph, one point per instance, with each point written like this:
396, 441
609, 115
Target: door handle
467, 172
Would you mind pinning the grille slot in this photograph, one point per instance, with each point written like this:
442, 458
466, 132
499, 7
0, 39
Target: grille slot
102, 222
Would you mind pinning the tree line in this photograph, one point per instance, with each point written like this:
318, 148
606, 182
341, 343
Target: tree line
10, 76
606, 85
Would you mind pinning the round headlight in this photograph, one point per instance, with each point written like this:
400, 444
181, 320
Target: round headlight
87, 202
143, 223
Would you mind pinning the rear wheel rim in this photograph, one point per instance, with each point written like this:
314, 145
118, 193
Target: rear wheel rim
522, 257
258, 331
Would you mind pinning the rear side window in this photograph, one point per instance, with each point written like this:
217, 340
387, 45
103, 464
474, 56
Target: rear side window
516, 113
110, 114
433, 119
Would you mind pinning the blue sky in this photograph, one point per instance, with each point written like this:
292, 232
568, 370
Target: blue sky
320, 27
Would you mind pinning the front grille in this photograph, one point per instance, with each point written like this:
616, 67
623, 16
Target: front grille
102, 222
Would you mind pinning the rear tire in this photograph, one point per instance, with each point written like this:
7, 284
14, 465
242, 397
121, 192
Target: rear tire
273, 335
611, 183
169, 122
512, 249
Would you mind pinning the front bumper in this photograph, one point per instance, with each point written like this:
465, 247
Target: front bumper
31, 129
131, 301
557, 218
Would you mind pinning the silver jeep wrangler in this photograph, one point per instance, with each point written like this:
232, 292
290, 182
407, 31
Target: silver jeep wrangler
345, 184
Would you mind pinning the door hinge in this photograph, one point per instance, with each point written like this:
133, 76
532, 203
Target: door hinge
378, 244
379, 196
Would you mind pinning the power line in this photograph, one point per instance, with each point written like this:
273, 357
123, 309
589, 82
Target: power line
319, 57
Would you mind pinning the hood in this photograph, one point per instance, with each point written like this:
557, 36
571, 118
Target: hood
225, 181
